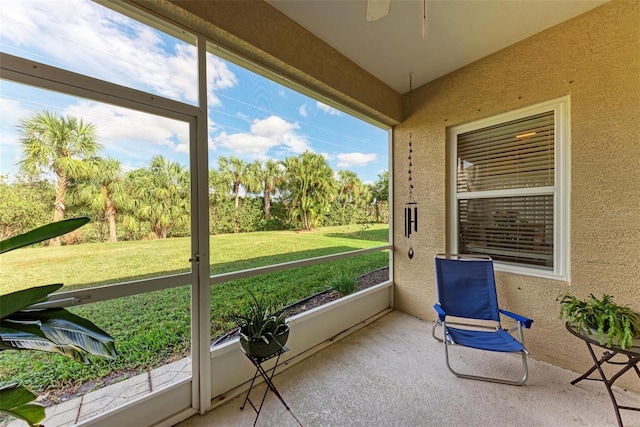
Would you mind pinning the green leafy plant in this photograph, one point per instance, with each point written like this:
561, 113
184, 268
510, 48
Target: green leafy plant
343, 283
260, 320
263, 327
55, 330
610, 320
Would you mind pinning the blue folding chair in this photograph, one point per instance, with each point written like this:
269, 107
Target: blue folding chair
467, 292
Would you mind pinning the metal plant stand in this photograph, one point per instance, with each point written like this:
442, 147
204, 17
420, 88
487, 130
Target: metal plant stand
633, 358
267, 375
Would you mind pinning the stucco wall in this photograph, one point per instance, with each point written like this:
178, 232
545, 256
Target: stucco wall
595, 59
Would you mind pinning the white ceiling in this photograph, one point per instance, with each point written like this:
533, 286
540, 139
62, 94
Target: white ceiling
458, 31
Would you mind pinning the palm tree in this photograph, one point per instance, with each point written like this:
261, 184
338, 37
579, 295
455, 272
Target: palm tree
104, 191
161, 194
218, 191
252, 179
51, 143
271, 177
350, 187
362, 194
218, 187
238, 173
309, 187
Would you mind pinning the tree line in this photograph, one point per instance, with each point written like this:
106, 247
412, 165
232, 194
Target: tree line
299, 192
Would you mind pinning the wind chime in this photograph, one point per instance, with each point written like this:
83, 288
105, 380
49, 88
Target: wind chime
411, 206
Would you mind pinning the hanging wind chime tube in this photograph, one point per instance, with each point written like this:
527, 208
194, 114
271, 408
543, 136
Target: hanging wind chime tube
424, 19
411, 206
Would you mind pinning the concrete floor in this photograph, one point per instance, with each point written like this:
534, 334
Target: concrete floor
392, 373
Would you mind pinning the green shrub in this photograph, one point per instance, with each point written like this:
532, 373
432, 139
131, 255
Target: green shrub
343, 283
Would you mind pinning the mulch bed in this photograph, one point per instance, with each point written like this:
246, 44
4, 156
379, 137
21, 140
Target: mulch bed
321, 298
365, 281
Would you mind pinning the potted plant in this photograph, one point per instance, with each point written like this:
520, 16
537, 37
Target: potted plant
263, 328
611, 322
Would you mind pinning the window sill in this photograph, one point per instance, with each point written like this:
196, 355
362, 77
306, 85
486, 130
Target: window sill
527, 271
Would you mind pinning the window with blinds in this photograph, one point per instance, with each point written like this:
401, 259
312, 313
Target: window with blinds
516, 154
513, 229
504, 190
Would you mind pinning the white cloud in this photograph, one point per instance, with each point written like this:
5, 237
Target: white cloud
127, 131
218, 77
182, 148
10, 149
212, 130
303, 110
347, 160
90, 39
12, 112
272, 132
326, 109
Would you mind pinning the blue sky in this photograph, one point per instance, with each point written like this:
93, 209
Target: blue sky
249, 116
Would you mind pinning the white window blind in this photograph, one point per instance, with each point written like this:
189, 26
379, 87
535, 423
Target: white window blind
516, 154
512, 229
514, 163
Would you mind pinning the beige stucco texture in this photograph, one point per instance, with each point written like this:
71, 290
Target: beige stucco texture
595, 60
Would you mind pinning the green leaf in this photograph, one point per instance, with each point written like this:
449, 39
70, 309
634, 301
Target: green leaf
14, 395
610, 320
17, 401
43, 233
67, 329
15, 301
28, 336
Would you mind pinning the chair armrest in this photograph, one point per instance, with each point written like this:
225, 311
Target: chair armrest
440, 311
526, 322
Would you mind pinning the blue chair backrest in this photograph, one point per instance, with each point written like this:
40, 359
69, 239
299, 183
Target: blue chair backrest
467, 288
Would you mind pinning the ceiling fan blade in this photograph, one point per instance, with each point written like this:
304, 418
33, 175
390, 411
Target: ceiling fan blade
377, 9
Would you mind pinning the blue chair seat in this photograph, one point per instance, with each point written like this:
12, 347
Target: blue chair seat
499, 340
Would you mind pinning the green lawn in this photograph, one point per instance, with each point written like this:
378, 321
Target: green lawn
154, 328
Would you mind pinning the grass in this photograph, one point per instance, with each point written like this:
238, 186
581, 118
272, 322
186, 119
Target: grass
95, 264
343, 282
154, 328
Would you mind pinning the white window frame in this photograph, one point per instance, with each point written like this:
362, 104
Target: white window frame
560, 190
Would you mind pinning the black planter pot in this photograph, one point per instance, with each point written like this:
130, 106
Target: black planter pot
260, 349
